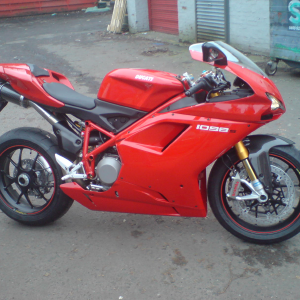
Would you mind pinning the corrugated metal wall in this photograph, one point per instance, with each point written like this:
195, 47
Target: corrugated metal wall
163, 16
9, 8
211, 20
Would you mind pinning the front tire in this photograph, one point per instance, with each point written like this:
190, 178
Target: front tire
276, 220
30, 177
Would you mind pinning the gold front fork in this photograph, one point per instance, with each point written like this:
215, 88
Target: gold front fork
243, 155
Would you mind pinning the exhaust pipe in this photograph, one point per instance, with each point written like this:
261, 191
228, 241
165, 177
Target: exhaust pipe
45, 114
7, 93
66, 138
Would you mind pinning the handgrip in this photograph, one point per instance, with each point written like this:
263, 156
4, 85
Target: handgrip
197, 87
202, 85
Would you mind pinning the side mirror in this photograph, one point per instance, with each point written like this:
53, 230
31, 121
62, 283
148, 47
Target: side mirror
213, 54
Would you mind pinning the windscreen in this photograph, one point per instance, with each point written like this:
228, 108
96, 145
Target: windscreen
232, 55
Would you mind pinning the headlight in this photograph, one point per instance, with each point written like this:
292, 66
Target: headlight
275, 102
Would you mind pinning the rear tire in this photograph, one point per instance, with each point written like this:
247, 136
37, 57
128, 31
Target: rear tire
30, 177
274, 221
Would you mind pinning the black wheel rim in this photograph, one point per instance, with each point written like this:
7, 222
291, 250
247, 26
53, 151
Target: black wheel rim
275, 202
27, 183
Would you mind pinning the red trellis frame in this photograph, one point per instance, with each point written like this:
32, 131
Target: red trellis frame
88, 158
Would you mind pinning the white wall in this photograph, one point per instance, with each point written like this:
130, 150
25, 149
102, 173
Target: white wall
187, 20
250, 25
138, 16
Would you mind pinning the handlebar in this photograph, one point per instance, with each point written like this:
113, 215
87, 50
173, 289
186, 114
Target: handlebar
209, 84
205, 83
197, 87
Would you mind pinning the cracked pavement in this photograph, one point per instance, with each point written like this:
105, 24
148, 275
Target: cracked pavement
100, 255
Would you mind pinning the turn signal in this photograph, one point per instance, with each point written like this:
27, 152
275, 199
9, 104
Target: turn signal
275, 102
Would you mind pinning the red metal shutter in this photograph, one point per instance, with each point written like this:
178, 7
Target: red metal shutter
9, 8
163, 16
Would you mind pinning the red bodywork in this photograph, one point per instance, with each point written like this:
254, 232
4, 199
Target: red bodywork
140, 89
24, 82
164, 155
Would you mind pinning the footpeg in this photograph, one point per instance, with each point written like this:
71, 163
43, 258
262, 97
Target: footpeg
69, 168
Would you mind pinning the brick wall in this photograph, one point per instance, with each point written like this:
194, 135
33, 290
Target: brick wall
250, 25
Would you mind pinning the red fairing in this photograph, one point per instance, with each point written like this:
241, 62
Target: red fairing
162, 156
138, 88
250, 109
259, 83
172, 168
24, 82
128, 199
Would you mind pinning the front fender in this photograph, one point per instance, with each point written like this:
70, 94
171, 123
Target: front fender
259, 147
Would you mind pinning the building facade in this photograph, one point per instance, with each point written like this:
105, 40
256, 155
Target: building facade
12, 8
244, 24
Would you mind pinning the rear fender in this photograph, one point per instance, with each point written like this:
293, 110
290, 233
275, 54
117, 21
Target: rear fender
259, 147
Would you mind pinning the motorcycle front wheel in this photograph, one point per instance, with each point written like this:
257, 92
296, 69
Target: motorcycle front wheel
274, 221
30, 177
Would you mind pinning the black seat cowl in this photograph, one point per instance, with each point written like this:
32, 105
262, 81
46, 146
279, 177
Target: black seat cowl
37, 71
68, 96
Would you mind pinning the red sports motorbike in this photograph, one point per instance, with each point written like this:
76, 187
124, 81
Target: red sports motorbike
143, 145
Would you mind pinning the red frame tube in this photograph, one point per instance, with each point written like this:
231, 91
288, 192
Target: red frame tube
88, 158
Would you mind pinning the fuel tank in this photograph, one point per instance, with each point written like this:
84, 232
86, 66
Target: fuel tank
139, 88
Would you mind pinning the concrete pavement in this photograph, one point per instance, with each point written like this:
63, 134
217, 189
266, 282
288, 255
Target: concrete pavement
98, 255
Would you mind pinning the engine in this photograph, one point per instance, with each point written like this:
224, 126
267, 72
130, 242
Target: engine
107, 170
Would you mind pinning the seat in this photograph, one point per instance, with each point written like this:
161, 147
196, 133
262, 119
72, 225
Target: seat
37, 71
68, 96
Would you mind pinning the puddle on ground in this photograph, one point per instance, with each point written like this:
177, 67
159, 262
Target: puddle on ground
268, 256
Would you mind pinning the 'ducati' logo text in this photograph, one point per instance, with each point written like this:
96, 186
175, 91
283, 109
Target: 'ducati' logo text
143, 77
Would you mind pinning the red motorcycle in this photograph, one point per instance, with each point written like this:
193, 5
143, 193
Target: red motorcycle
144, 144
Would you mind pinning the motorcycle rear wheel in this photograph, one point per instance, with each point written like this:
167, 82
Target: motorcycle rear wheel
263, 223
30, 177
